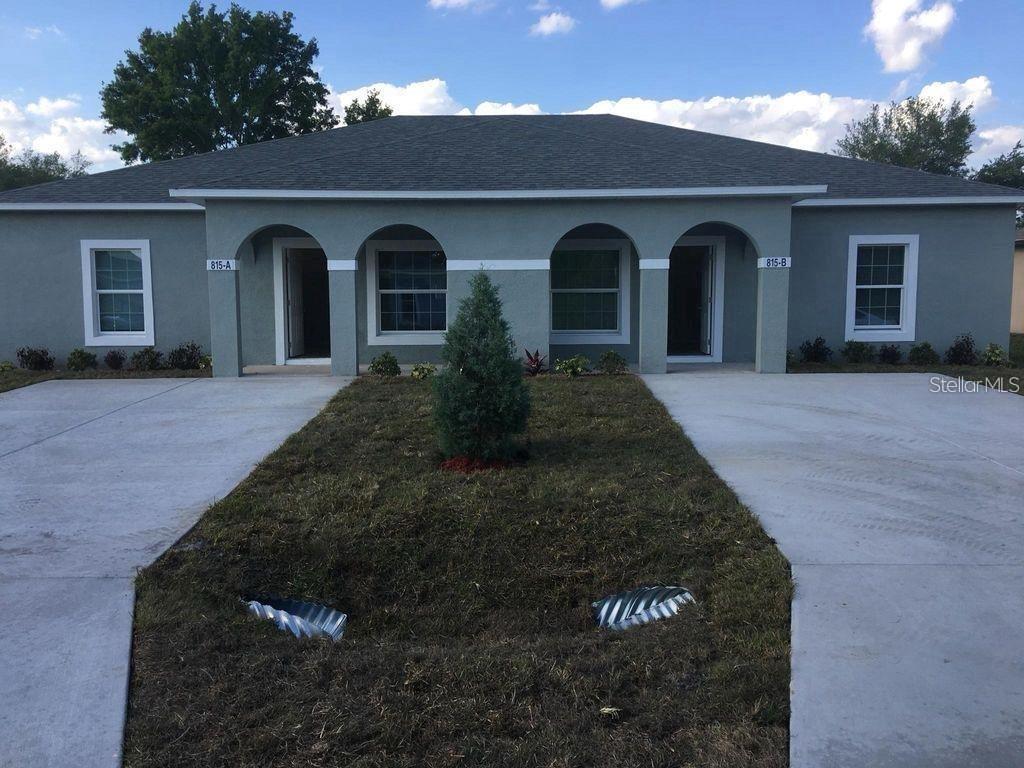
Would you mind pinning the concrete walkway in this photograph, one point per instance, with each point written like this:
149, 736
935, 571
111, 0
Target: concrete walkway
902, 513
97, 479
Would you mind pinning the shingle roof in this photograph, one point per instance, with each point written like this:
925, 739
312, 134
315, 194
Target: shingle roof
455, 153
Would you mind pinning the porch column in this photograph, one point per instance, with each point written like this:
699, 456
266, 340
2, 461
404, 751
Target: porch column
772, 314
653, 315
225, 318
344, 340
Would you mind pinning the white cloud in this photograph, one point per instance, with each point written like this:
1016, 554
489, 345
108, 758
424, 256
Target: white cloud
45, 107
613, 4
494, 108
34, 33
554, 23
50, 125
902, 29
992, 142
426, 97
458, 5
975, 92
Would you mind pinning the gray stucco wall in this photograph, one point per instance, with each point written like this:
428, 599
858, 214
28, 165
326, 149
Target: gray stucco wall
965, 265
41, 283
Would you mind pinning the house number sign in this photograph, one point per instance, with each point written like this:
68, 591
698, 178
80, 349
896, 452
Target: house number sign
221, 265
775, 262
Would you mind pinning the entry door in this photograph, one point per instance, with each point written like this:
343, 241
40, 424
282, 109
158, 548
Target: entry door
293, 286
690, 292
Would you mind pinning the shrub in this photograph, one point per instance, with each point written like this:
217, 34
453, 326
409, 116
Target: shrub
923, 354
962, 351
186, 357
422, 371
205, 363
146, 359
611, 362
890, 354
384, 364
790, 358
6, 365
35, 358
534, 363
80, 360
994, 356
816, 351
481, 400
114, 359
573, 366
858, 352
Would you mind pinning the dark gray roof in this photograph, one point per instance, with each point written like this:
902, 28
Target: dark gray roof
550, 152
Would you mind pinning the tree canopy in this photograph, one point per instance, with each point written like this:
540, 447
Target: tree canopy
216, 80
28, 167
370, 109
915, 133
1007, 169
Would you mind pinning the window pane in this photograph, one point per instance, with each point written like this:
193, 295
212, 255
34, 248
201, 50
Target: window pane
581, 311
878, 306
411, 270
413, 311
585, 269
880, 264
119, 270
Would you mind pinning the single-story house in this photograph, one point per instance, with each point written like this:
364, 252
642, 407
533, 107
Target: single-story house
664, 244
1017, 311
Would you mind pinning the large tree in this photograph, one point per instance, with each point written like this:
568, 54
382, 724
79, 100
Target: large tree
216, 80
370, 109
915, 133
28, 167
1008, 170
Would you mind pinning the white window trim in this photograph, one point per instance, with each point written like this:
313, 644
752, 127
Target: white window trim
94, 337
621, 336
280, 245
717, 245
376, 337
908, 305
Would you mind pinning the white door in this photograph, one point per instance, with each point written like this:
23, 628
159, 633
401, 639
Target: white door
293, 284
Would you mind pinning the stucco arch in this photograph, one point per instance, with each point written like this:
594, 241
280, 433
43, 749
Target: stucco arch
703, 226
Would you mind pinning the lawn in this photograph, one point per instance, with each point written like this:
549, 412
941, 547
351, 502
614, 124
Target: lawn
470, 638
21, 378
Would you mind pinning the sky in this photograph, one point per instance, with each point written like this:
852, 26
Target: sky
791, 72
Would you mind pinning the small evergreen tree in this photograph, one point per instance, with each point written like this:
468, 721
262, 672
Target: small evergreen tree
481, 400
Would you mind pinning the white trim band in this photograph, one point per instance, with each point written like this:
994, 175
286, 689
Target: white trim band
654, 263
497, 265
501, 194
864, 201
100, 207
342, 265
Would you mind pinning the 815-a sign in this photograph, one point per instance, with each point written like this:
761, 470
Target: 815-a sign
222, 265
775, 262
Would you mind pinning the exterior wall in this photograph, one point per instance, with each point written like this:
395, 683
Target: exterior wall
41, 284
1017, 313
964, 270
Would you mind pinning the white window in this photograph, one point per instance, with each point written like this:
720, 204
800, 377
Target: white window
590, 292
407, 292
881, 288
117, 293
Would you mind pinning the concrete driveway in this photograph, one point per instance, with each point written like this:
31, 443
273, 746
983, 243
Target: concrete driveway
902, 513
97, 479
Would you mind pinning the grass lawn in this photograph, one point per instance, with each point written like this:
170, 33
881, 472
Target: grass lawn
22, 378
470, 638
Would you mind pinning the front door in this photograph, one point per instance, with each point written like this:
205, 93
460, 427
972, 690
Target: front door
293, 293
690, 295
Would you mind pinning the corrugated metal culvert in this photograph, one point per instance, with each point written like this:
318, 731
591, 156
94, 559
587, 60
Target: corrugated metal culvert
299, 618
640, 606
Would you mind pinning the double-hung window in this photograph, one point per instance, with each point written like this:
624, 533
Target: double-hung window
881, 295
117, 294
409, 285
590, 292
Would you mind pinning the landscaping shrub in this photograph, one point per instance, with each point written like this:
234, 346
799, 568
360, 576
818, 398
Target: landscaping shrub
422, 371
858, 352
816, 351
114, 359
890, 354
146, 359
80, 360
611, 362
186, 357
205, 363
534, 364
481, 401
384, 364
6, 365
923, 354
573, 366
35, 358
962, 351
994, 356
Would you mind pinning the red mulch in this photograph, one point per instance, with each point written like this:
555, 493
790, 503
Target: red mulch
467, 465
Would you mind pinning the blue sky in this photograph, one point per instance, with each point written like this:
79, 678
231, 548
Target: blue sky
787, 71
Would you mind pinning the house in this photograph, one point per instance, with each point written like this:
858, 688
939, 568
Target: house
667, 245
1017, 312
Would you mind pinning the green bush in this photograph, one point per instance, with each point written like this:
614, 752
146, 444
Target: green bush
384, 364
146, 359
923, 354
80, 360
115, 359
816, 351
611, 362
573, 366
186, 357
422, 371
6, 365
205, 363
962, 351
994, 356
858, 352
35, 358
890, 354
481, 401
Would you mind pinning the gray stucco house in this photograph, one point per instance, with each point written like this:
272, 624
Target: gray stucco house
667, 245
